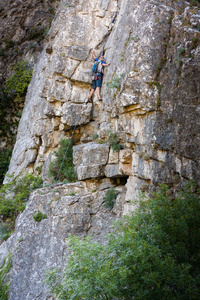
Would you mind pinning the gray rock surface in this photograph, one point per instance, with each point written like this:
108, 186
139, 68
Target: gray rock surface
91, 171
112, 171
70, 209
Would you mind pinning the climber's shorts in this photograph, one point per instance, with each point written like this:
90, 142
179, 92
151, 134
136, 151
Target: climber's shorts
98, 81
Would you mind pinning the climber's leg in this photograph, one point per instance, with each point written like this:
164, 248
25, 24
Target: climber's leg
99, 85
98, 93
91, 93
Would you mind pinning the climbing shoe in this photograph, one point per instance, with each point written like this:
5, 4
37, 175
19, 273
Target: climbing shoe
88, 101
100, 99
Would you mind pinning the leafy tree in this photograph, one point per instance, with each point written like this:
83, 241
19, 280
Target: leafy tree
13, 198
17, 84
152, 254
12, 94
4, 162
63, 169
110, 198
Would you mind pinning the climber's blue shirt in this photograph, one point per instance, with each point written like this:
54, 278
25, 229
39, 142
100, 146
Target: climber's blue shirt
96, 59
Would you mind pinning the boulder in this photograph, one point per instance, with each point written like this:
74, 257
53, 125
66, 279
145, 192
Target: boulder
95, 154
125, 156
92, 171
75, 114
113, 171
113, 157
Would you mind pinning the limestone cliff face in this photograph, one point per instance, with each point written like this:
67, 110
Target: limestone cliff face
154, 52
154, 49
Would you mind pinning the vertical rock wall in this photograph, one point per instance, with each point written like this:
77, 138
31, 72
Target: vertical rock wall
60, 82
150, 100
154, 52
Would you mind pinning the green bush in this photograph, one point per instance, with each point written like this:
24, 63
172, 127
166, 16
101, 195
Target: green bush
37, 33
39, 216
114, 141
5, 105
10, 44
152, 254
2, 52
5, 155
64, 168
195, 3
13, 198
110, 198
116, 81
11, 100
16, 85
6, 230
4, 283
95, 136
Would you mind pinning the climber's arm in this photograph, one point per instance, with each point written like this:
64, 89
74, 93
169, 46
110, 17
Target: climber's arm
106, 65
93, 55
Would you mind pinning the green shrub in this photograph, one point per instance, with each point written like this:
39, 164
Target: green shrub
13, 198
133, 38
4, 283
195, 3
110, 198
39, 216
51, 10
10, 44
181, 50
5, 155
95, 136
152, 254
33, 45
63, 169
122, 56
195, 42
116, 81
11, 100
7, 119
2, 52
5, 230
38, 33
16, 85
114, 141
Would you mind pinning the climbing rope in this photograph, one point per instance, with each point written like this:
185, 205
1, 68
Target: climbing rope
45, 210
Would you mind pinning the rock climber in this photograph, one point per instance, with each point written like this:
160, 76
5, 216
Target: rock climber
98, 77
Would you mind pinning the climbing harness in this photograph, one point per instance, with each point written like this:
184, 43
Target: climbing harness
98, 76
45, 210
